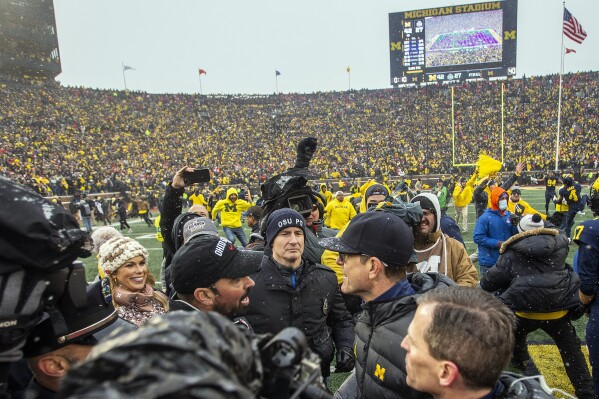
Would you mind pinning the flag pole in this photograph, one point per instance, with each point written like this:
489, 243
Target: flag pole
502, 119
200, 76
349, 79
559, 101
277, 82
124, 79
452, 126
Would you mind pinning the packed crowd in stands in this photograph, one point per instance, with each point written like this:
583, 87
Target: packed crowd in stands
464, 56
66, 139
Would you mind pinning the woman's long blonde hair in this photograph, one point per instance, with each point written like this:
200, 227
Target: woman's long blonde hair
151, 280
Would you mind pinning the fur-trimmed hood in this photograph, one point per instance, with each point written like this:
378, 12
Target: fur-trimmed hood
515, 238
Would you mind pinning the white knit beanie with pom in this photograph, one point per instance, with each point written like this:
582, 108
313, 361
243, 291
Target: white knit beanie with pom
118, 250
103, 234
530, 222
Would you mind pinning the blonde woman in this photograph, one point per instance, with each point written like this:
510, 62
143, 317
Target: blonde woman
125, 263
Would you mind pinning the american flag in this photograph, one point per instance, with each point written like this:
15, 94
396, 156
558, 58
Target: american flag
572, 29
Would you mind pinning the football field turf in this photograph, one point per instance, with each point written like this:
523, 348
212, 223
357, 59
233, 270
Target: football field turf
465, 40
541, 346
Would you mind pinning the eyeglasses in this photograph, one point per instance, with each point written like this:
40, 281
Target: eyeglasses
364, 258
345, 257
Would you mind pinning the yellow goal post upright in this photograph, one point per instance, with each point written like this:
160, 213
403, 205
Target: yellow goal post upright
453, 127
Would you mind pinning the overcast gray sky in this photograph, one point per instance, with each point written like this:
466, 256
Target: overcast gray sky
240, 43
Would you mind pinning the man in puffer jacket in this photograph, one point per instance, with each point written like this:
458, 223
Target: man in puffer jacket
534, 281
375, 250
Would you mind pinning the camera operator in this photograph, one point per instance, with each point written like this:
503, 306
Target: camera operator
290, 190
291, 259
196, 355
39, 243
50, 357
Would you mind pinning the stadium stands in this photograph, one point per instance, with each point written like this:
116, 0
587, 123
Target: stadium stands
65, 139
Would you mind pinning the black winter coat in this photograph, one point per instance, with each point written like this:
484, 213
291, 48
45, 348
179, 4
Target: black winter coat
312, 249
508, 388
380, 329
172, 206
315, 306
177, 304
531, 273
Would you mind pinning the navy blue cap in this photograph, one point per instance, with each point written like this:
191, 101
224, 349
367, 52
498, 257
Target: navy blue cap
378, 233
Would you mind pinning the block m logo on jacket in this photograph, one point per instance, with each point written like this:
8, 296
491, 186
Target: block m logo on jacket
230, 207
379, 372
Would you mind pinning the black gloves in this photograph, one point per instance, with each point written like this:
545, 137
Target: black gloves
305, 151
577, 312
345, 360
20, 308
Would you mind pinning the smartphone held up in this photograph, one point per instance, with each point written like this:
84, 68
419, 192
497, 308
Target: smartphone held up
199, 175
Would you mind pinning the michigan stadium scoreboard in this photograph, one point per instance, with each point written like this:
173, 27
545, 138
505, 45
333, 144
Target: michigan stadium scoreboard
453, 44
28, 39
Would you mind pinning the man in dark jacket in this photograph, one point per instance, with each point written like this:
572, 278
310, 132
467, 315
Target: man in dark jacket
315, 230
51, 355
314, 222
571, 193
292, 291
587, 238
536, 283
86, 207
252, 219
375, 250
122, 211
210, 274
472, 369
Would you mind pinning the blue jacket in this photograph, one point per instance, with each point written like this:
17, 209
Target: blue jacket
490, 232
587, 238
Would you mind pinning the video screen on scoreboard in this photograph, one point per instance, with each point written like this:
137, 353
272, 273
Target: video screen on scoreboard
453, 43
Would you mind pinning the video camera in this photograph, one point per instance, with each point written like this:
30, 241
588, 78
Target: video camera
38, 269
290, 189
291, 369
302, 204
200, 355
